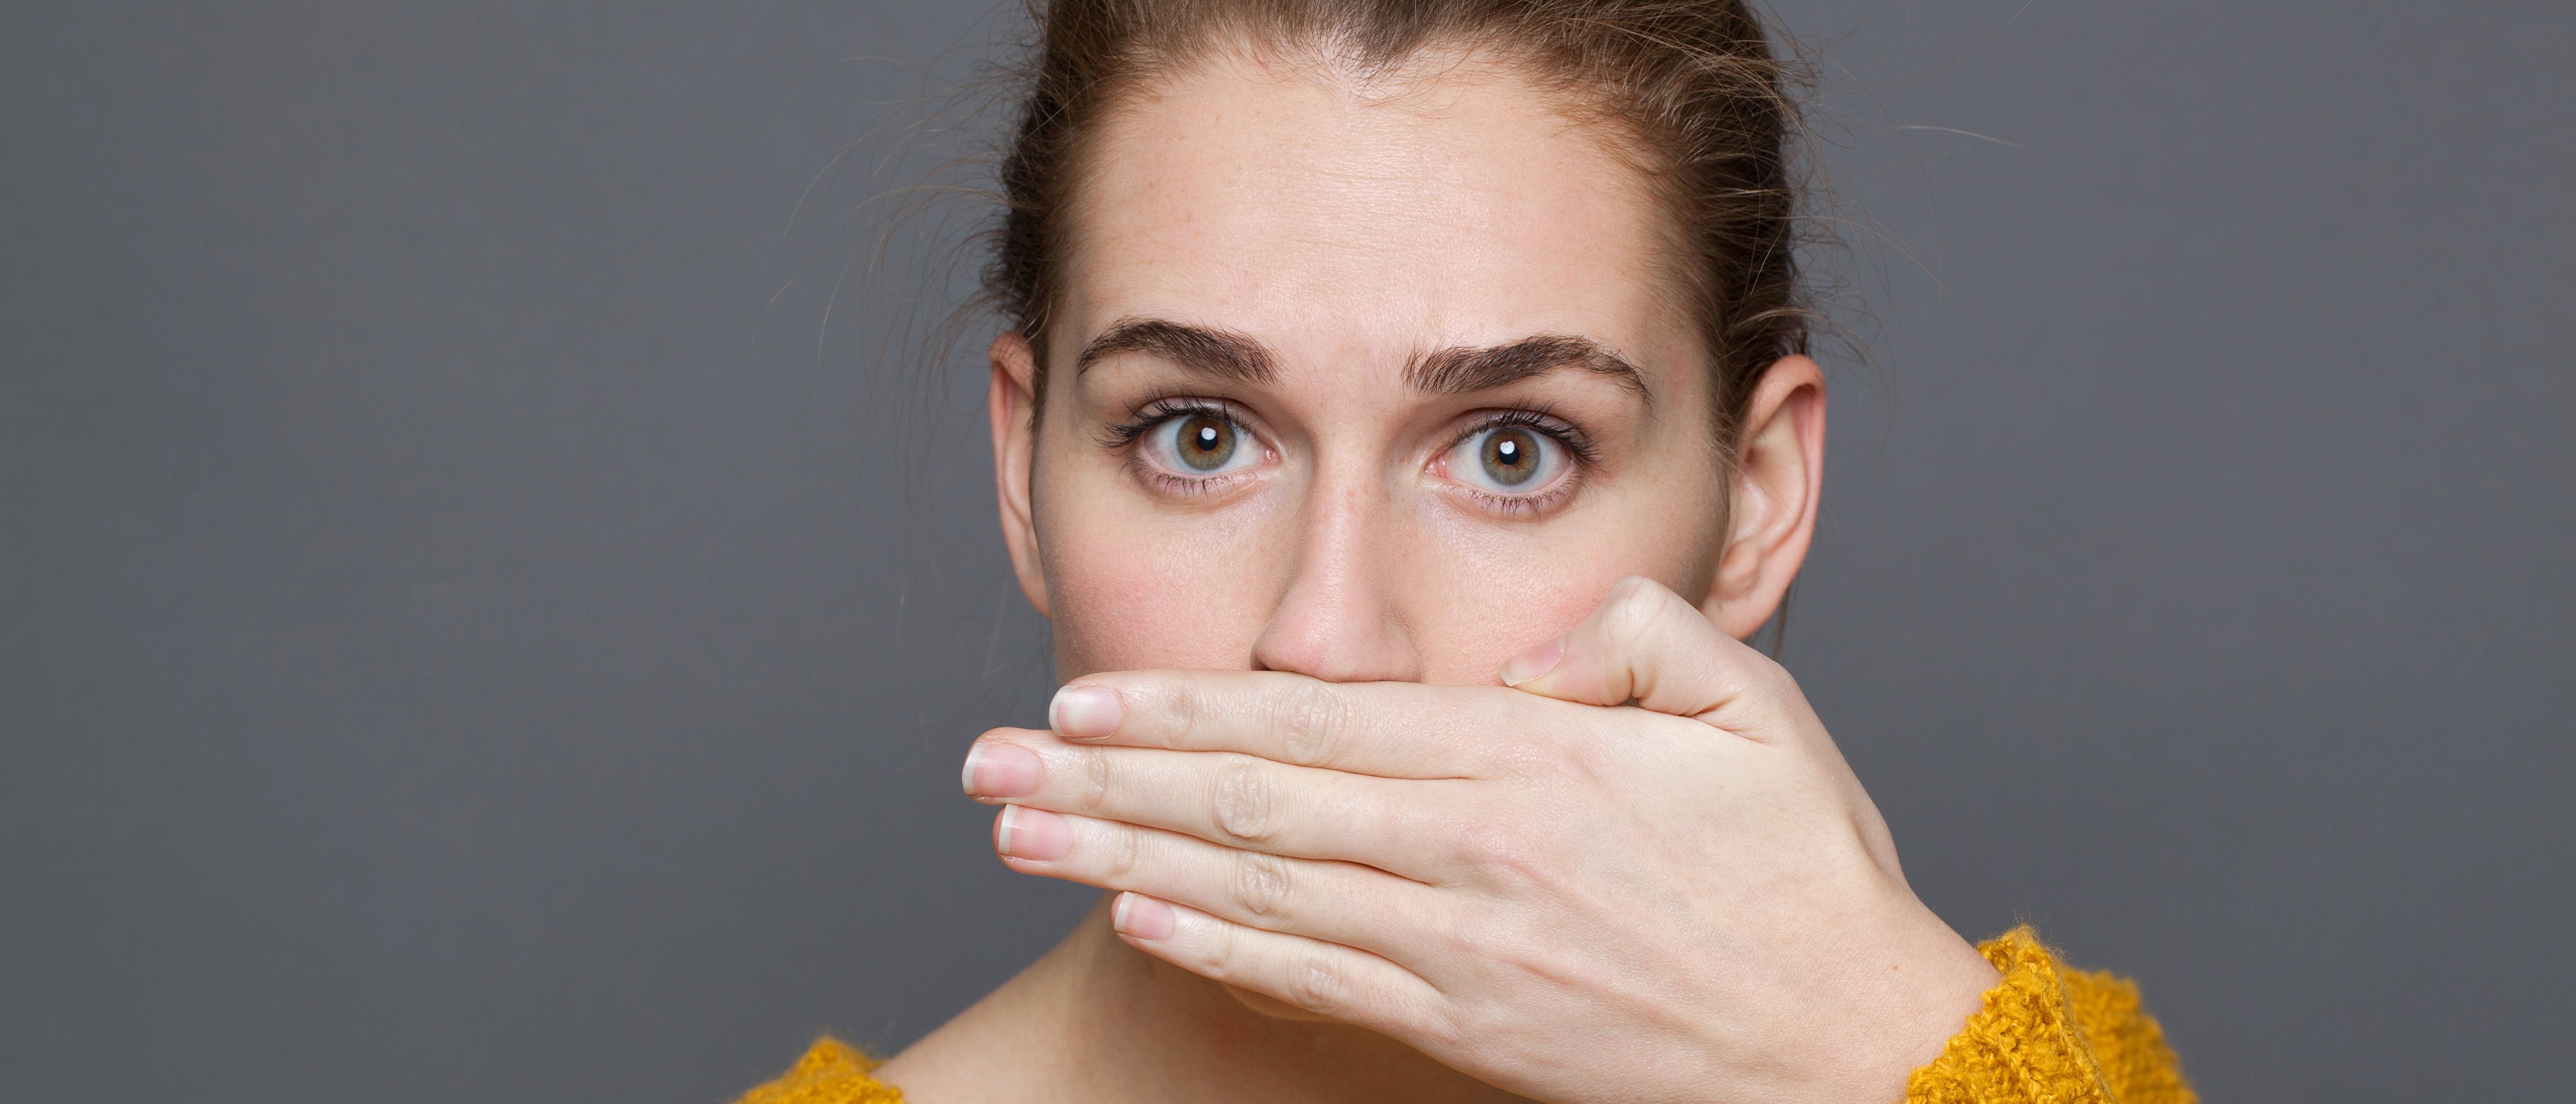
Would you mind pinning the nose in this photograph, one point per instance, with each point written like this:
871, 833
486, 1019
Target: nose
1340, 618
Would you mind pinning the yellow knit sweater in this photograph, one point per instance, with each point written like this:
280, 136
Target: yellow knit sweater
2047, 1034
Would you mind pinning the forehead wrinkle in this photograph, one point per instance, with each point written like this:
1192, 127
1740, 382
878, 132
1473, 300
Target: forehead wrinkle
1205, 349
1462, 369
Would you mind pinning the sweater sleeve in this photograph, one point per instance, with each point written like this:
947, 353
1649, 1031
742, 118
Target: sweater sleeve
829, 1073
2048, 1034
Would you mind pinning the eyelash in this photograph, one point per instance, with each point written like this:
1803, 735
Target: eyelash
1144, 418
1157, 410
1537, 420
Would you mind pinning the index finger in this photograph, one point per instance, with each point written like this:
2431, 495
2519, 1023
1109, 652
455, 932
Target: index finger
1392, 730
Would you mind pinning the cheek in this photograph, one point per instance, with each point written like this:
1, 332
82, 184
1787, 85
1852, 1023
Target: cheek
1132, 589
1493, 603
1489, 595
1135, 597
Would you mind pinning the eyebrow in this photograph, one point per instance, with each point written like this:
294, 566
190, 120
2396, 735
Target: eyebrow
1456, 370
1197, 348
1462, 369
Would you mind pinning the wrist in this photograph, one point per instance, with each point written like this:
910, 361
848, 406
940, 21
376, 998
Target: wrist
1928, 985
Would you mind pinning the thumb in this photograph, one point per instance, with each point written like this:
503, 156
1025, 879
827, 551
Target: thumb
1645, 646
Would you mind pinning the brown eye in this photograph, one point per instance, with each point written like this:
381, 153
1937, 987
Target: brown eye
1514, 460
1199, 443
1204, 443
1510, 456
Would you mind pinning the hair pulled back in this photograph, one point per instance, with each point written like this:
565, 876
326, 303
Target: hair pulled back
1691, 88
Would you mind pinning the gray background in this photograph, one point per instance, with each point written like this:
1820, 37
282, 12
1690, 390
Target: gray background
465, 641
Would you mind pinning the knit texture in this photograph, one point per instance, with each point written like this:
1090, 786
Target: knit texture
829, 1073
2045, 1035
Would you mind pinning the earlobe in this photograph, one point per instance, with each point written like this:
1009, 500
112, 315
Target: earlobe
1011, 402
1779, 478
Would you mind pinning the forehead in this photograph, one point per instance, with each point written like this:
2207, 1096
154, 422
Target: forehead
1330, 219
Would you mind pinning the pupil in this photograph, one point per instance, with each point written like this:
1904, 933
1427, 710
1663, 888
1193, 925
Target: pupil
1206, 443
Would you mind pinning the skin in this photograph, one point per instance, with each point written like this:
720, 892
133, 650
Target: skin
1421, 784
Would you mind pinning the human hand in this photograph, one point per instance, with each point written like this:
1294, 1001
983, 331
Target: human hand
1684, 898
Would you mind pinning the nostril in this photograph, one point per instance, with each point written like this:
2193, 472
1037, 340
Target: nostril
1350, 596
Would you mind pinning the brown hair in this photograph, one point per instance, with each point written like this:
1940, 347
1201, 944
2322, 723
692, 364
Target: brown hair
1691, 89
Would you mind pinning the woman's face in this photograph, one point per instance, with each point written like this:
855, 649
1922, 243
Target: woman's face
1373, 384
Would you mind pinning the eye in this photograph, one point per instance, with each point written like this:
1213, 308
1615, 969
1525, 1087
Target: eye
1199, 444
1508, 459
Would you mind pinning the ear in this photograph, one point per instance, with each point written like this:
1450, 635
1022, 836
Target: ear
1012, 402
1778, 479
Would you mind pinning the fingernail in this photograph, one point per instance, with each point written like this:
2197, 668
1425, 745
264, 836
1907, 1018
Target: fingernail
1534, 662
1001, 770
1024, 833
1084, 712
1142, 917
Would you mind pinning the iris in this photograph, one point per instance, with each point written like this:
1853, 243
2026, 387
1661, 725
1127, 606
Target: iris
1510, 456
1205, 443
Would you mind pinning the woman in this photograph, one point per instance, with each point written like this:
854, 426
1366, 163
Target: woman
1403, 418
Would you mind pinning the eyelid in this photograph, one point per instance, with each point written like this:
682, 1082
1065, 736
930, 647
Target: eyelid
1150, 419
1159, 408
1536, 418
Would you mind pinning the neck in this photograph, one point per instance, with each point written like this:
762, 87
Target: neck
1098, 1020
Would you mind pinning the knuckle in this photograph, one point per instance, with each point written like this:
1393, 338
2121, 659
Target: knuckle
1217, 961
1314, 980
1775, 677
1126, 845
1635, 608
1184, 703
1090, 779
1260, 884
1244, 801
1313, 722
